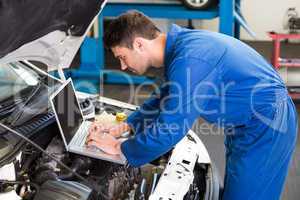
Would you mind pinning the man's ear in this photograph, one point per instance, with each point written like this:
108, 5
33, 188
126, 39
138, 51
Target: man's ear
138, 43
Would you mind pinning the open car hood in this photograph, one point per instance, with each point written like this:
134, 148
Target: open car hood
48, 31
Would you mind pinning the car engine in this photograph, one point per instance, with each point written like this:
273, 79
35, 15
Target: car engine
33, 175
40, 178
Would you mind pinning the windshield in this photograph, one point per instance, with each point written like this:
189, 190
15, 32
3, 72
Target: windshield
14, 78
24, 92
24, 97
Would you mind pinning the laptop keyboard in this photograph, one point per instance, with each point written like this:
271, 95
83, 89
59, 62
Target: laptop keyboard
82, 135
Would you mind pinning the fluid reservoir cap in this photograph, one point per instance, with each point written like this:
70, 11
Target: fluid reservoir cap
120, 117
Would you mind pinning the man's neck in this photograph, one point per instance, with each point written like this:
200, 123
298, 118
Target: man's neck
158, 50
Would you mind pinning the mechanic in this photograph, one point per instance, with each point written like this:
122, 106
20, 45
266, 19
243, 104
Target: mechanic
208, 75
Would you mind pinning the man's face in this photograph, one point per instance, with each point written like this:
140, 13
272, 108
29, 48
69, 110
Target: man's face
134, 59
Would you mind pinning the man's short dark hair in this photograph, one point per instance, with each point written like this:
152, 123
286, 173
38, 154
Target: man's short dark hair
122, 30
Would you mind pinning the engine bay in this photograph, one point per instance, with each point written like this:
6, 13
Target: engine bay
183, 173
38, 177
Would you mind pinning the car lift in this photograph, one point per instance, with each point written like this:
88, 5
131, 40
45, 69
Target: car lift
92, 50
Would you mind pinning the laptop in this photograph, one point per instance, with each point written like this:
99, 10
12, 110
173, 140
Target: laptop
73, 127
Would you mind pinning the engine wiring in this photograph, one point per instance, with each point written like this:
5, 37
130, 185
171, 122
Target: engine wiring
52, 157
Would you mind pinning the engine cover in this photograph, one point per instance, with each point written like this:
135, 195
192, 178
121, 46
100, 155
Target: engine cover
63, 190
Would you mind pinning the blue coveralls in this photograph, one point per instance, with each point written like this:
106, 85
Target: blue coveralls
224, 81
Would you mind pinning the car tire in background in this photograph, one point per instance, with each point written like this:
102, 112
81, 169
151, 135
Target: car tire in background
199, 4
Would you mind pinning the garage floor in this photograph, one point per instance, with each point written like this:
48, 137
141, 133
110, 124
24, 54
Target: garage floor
214, 141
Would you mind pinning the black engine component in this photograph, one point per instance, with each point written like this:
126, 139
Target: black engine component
197, 189
79, 164
63, 190
117, 182
108, 180
86, 106
48, 169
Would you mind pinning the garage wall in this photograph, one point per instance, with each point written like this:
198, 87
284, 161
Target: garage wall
262, 16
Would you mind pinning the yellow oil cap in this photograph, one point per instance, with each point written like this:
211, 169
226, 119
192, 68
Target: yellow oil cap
120, 117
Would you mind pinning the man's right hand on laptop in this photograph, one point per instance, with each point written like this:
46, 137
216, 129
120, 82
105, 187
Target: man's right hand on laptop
114, 130
105, 142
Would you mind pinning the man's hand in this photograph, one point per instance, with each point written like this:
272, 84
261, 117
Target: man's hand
119, 129
105, 142
104, 137
114, 130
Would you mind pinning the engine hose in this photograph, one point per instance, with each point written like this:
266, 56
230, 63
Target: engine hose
77, 165
53, 158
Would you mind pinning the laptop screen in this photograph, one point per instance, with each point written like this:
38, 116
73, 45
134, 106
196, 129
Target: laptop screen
68, 111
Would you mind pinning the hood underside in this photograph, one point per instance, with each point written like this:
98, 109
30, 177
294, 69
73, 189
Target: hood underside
49, 31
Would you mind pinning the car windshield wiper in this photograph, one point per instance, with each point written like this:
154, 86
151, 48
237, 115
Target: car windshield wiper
9, 106
19, 110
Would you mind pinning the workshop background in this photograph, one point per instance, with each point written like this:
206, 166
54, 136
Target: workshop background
255, 17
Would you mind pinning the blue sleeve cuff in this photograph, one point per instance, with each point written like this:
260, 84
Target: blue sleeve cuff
127, 150
137, 154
